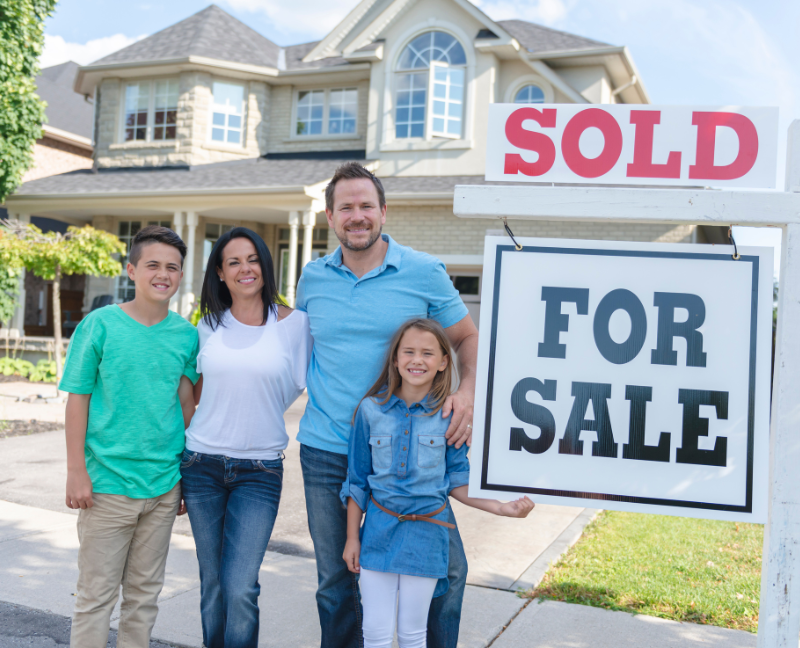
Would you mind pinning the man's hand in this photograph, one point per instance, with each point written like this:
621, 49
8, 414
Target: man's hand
352, 552
79, 489
460, 430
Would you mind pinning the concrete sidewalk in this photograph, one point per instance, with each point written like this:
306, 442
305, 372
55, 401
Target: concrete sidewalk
38, 570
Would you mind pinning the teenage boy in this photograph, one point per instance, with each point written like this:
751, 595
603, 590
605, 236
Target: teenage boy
129, 374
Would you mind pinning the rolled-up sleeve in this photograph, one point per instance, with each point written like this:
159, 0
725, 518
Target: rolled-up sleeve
359, 463
457, 466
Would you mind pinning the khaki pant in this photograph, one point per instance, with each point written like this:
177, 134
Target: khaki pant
124, 542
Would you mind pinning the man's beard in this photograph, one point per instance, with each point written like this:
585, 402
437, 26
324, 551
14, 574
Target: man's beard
361, 247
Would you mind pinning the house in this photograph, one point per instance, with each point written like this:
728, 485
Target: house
65, 145
207, 125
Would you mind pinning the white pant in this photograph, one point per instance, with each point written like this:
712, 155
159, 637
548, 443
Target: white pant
381, 595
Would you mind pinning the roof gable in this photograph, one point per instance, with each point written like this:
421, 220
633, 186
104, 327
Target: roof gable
212, 33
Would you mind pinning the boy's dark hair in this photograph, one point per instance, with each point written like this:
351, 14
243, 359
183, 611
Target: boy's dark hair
215, 298
155, 234
352, 171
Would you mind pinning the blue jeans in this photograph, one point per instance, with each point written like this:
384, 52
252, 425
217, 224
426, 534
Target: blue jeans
232, 506
338, 601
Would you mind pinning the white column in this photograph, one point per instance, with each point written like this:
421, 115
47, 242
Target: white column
177, 227
187, 298
17, 324
309, 220
779, 612
291, 275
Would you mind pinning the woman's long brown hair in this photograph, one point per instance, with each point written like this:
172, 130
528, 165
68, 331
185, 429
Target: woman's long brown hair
390, 380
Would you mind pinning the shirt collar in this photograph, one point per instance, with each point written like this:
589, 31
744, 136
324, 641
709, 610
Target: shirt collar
424, 405
392, 258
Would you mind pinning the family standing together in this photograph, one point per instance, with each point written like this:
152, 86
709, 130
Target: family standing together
164, 419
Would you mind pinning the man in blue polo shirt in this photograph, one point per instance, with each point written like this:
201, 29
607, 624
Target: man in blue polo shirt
356, 298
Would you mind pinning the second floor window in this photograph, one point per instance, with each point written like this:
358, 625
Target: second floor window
326, 112
151, 110
227, 113
529, 94
429, 88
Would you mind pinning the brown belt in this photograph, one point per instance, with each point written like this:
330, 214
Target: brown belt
415, 517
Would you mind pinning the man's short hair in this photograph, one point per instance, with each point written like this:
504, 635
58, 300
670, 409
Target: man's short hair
352, 171
155, 234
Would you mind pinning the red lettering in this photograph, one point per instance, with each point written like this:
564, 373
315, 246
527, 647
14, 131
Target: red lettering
642, 165
612, 143
707, 123
530, 141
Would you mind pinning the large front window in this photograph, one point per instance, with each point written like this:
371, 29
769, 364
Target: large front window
151, 111
429, 87
227, 113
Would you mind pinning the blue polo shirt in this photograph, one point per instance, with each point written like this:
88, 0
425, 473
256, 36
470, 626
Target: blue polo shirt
353, 320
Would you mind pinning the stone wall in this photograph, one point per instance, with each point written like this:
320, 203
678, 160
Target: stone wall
51, 157
192, 145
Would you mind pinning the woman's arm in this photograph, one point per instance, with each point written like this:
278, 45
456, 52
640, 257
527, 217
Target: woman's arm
352, 548
198, 390
518, 508
79, 484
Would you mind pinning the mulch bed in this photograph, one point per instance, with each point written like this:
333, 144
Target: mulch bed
25, 428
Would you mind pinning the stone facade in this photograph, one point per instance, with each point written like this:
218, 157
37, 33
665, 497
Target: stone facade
51, 157
192, 145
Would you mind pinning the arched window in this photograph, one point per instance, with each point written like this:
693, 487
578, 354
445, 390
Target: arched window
430, 87
529, 94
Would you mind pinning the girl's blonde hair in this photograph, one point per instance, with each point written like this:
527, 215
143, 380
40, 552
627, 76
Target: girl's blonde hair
389, 380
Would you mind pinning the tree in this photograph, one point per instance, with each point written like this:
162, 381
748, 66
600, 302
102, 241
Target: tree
10, 268
21, 110
52, 255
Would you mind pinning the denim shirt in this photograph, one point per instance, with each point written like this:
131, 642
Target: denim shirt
400, 457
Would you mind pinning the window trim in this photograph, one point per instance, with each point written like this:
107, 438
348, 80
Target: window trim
294, 137
430, 134
389, 141
225, 144
529, 79
151, 113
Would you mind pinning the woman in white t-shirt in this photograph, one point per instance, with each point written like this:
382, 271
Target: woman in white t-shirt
253, 358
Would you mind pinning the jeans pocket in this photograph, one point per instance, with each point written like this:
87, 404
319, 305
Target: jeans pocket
188, 458
271, 467
431, 451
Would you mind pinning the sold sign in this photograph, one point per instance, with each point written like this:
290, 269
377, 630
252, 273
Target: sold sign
622, 144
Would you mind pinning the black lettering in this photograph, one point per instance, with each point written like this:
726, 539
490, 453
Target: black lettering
598, 394
629, 349
636, 448
533, 414
668, 329
555, 322
694, 427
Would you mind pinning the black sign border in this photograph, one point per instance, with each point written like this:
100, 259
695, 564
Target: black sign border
485, 485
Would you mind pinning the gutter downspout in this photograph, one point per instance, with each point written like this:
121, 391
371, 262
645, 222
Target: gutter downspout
630, 84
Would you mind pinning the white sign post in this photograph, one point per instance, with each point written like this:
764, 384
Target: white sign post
779, 616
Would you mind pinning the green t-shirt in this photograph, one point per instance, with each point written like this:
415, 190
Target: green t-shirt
135, 434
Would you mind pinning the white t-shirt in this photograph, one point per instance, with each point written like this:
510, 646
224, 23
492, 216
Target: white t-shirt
251, 375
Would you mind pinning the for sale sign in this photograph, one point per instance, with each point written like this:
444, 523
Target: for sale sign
627, 144
629, 376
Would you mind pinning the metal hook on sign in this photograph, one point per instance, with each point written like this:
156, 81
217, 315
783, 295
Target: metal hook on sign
736, 255
511, 234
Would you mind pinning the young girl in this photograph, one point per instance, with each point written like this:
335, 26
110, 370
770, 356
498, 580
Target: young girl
400, 471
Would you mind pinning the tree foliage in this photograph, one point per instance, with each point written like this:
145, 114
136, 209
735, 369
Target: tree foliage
21, 110
10, 268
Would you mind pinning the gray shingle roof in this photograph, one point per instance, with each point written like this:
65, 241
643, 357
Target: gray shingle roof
296, 53
246, 174
212, 32
430, 184
66, 109
537, 38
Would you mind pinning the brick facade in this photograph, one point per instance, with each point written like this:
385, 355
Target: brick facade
51, 157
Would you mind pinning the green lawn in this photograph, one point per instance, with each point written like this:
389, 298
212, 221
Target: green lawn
700, 571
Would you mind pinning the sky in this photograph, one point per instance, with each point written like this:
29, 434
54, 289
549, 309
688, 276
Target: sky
688, 52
